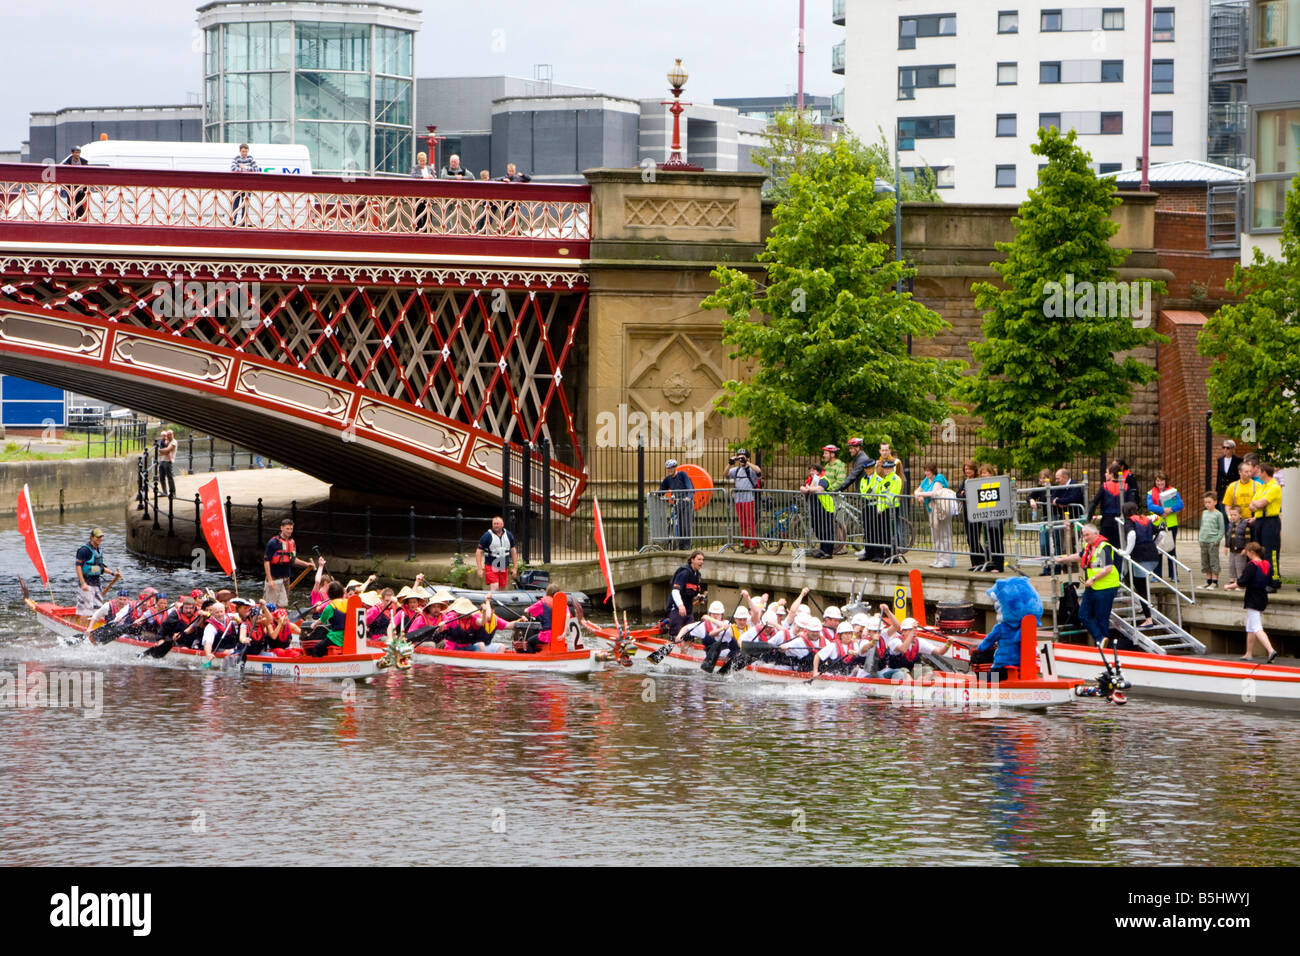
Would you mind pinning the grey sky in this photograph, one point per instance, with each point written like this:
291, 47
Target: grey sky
118, 53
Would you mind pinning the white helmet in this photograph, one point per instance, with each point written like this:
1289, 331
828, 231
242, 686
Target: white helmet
860, 620
742, 613
907, 624
844, 628
770, 619
802, 619
813, 624
833, 612
717, 607
873, 622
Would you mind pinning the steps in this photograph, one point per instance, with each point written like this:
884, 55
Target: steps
1166, 637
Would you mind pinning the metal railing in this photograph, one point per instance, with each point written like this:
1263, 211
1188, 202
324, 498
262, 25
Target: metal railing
318, 204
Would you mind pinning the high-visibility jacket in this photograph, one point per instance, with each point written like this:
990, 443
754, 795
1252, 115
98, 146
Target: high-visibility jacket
1271, 492
1106, 576
889, 488
826, 501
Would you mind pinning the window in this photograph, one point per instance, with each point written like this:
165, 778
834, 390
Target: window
1112, 71
1162, 25
1112, 123
924, 127
1106, 169
911, 78
1008, 74
1006, 177
1008, 21
1112, 19
1048, 120
1050, 21
1162, 128
1006, 124
1277, 136
1162, 76
944, 176
1278, 24
1049, 71
938, 25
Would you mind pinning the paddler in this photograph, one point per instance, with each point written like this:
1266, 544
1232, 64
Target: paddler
182, 624
832, 618
220, 632
473, 630
840, 654
90, 572
541, 610
905, 645
726, 641
333, 621
799, 650
111, 610
409, 603
380, 614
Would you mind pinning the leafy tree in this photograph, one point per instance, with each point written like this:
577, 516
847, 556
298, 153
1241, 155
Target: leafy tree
794, 144
1049, 385
1256, 342
830, 354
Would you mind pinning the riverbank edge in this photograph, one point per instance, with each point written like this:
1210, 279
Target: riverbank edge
67, 485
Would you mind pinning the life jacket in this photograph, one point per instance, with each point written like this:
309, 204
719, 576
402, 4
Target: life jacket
1262, 564
1112, 498
889, 487
94, 566
842, 650
287, 553
1144, 539
905, 659
1106, 579
378, 625
1169, 518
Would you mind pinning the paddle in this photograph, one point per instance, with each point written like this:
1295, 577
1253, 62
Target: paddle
432, 630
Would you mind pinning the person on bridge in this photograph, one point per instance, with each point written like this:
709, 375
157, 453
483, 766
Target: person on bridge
497, 544
455, 170
90, 572
76, 195
513, 175
167, 462
280, 560
243, 163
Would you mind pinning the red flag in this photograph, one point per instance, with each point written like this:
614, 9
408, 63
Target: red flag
27, 526
215, 529
599, 535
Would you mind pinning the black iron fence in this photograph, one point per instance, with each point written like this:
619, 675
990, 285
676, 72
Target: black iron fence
624, 478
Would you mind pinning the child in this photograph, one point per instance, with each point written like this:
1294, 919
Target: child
1236, 538
1255, 580
1210, 535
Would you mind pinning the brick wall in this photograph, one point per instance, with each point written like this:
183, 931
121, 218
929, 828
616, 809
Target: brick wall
1181, 198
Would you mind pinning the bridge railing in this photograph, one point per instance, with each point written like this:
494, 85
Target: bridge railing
39, 194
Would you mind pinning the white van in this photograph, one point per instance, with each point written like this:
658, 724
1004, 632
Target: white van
196, 157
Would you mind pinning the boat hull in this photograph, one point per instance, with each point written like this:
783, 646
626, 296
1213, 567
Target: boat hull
565, 662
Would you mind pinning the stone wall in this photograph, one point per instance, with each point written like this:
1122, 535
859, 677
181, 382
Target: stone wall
86, 483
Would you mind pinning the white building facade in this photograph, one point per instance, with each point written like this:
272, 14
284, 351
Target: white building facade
967, 85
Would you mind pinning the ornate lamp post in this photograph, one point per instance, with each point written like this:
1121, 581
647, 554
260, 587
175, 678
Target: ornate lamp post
433, 139
677, 77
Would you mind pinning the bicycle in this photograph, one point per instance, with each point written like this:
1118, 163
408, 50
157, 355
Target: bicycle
786, 524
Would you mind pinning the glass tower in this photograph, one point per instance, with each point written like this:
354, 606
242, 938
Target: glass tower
337, 78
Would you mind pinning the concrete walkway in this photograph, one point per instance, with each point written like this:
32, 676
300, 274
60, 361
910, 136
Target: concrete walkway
277, 487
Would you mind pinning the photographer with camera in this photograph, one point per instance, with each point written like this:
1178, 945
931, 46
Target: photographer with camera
746, 479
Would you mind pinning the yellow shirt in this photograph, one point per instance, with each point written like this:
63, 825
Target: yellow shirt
1240, 493
1271, 492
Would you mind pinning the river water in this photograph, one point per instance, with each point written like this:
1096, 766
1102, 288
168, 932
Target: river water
436, 766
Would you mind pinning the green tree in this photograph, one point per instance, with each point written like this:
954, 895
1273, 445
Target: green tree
1254, 382
830, 355
1049, 385
794, 144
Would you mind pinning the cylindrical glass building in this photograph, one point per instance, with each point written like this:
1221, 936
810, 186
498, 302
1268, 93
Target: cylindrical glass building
337, 78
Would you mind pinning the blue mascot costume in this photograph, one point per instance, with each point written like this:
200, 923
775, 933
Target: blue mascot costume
1014, 598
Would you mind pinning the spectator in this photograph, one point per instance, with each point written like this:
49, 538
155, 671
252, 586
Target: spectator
497, 548
869, 488
1140, 547
1209, 537
167, 462
939, 499
1128, 478
1067, 505
1165, 502
835, 470
76, 195
243, 163
860, 465
1236, 537
995, 558
680, 500
821, 509
1254, 581
1228, 471
513, 175
280, 559
974, 543
454, 170
745, 479
1242, 491
1040, 510
484, 176
1267, 524
422, 169
1109, 499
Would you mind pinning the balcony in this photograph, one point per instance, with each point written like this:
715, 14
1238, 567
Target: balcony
1229, 23
837, 107
837, 58
837, 11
